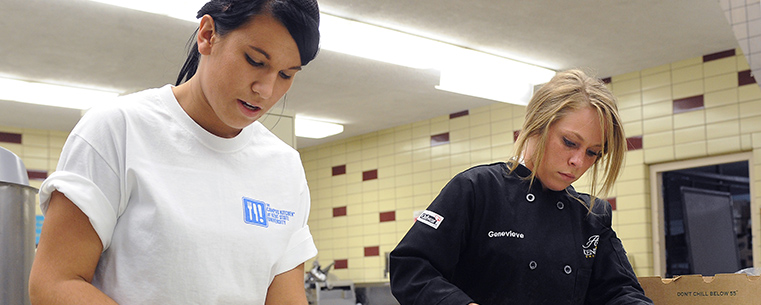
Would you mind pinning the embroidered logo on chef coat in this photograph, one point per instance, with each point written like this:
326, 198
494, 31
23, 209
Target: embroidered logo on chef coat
258, 213
430, 218
590, 248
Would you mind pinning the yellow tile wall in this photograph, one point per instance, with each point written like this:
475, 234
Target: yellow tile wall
411, 172
720, 128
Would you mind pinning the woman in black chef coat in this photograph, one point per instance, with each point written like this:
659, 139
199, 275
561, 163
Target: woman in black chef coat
518, 232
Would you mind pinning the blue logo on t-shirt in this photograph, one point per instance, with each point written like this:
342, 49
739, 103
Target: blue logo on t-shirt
261, 214
255, 212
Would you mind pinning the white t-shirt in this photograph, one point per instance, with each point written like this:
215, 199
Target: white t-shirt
185, 217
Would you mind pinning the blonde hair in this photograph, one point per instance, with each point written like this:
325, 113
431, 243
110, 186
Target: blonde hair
567, 92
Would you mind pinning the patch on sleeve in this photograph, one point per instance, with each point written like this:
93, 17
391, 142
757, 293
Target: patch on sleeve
430, 218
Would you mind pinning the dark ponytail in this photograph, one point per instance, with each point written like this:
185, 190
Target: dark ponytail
191, 63
300, 17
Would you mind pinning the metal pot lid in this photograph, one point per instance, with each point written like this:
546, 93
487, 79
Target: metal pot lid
12, 170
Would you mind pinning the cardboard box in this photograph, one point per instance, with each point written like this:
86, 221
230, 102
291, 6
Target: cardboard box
721, 289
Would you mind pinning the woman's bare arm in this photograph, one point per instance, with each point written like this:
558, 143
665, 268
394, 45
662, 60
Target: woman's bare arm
66, 258
287, 288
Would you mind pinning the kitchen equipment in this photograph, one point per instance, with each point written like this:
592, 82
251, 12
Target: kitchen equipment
17, 224
326, 289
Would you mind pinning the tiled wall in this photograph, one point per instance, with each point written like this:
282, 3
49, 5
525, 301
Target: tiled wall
38, 149
366, 188
698, 107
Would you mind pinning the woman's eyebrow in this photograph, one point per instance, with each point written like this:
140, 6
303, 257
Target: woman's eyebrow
266, 55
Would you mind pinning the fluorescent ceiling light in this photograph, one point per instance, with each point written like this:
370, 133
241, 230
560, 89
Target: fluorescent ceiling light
493, 77
52, 95
377, 43
313, 129
179, 9
463, 71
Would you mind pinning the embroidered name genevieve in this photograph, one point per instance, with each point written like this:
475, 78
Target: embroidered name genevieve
512, 234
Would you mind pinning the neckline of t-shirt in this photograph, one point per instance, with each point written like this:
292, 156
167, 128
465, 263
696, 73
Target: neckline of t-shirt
208, 139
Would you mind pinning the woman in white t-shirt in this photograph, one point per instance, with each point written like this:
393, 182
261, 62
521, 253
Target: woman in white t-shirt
177, 194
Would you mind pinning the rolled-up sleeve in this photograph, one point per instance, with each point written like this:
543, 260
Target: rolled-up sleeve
300, 245
87, 197
88, 172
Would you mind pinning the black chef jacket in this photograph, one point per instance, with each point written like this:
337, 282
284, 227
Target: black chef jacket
491, 238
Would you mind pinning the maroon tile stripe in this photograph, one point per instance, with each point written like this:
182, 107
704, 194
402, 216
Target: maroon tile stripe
341, 264
458, 114
339, 170
370, 175
439, 139
516, 133
10, 137
718, 55
387, 216
634, 143
688, 104
606, 80
612, 201
37, 174
339, 211
745, 78
372, 251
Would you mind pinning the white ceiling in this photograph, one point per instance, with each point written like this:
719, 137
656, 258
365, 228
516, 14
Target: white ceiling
83, 42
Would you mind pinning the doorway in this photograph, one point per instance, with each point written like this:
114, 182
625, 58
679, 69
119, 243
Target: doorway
702, 216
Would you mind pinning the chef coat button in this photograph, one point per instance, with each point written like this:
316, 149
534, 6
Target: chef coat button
567, 269
530, 197
532, 265
560, 205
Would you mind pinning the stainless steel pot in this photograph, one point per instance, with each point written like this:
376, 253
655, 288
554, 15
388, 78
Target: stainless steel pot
17, 224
